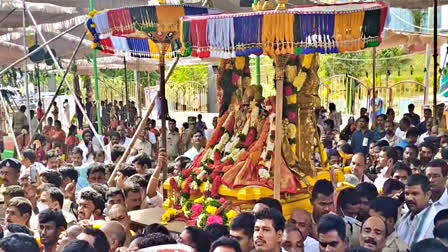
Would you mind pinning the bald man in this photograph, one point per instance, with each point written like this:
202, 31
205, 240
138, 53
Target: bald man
302, 220
373, 234
119, 213
115, 233
358, 166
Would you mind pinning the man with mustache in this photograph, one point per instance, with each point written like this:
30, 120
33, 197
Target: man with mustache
417, 224
10, 171
18, 212
427, 152
387, 209
51, 224
133, 194
373, 234
90, 206
322, 201
390, 137
332, 234
436, 172
268, 230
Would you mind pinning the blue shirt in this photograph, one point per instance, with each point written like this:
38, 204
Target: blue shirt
360, 142
403, 144
377, 135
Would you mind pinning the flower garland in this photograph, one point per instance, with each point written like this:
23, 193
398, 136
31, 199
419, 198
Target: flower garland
202, 211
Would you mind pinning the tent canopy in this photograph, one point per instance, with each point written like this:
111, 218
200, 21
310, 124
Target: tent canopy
55, 16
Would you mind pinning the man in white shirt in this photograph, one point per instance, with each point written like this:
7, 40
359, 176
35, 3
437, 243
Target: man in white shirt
87, 146
436, 171
196, 148
124, 140
417, 224
390, 137
403, 127
302, 220
31, 168
386, 160
358, 167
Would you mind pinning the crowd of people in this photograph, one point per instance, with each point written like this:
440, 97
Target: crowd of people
68, 194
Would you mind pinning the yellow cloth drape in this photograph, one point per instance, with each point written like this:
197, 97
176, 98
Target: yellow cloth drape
154, 49
278, 34
348, 31
169, 17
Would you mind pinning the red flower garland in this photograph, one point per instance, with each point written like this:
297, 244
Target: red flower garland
215, 186
216, 158
250, 138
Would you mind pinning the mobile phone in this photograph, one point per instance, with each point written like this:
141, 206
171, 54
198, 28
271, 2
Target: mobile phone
33, 175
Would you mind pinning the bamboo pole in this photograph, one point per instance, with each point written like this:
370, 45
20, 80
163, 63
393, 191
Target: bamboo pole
72, 59
40, 47
139, 130
78, 103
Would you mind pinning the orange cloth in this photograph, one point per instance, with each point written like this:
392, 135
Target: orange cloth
169, 18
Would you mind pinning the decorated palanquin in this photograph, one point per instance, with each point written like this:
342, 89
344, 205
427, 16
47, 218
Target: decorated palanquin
250, 155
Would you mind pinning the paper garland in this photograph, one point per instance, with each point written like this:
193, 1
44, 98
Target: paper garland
323, 29
124, 30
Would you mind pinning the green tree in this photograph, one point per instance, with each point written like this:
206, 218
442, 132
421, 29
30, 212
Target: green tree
183, 75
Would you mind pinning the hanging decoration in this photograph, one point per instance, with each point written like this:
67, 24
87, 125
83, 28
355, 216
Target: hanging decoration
305, 30
134, 30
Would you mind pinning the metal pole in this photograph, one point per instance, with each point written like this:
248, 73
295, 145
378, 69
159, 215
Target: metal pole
69, 86
40, 47
427, 74
38, 80
435, 63
126, 89
72, 59
27, 91
374, 86
257, 69
95, 75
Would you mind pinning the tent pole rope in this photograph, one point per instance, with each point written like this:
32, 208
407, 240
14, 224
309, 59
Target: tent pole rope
72, 59
78, 103
40, 47
7, 15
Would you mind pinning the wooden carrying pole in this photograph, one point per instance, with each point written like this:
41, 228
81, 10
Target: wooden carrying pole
139, 130
280, 66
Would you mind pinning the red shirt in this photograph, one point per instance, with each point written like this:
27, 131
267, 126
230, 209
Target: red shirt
40, 113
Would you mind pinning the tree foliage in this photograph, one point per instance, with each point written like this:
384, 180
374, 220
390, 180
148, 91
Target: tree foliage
185, 75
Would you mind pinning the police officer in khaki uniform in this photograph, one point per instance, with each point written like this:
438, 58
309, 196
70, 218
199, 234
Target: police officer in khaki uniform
173, 141
188, 133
